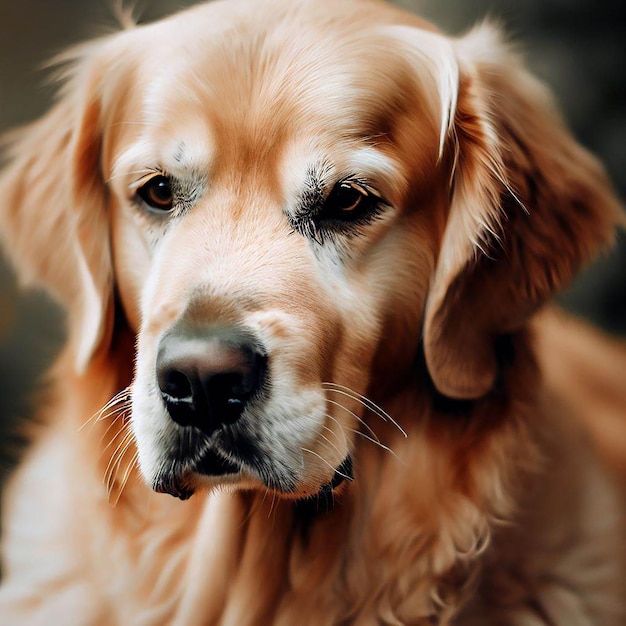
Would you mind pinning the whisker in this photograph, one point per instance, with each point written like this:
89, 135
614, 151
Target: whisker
114, 499
123, 395
344, 440
330, 443
113, 405
119, 410
361, 420
327, 463
116, 457
375, 441
123, 415
132, 464
124, 438
112, 411
111, 479
366, 402
269, 515
267, 490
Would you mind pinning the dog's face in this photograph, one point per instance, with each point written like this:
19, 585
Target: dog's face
295, 197
263, 236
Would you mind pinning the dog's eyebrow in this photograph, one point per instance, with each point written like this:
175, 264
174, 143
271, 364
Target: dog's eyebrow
366, 162
372, 163
179, 153
317, 181
178, 157
188, 152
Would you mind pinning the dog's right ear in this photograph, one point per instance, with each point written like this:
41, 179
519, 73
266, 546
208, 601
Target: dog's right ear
53, 203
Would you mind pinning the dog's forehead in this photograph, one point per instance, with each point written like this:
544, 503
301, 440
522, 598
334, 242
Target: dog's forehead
282, 69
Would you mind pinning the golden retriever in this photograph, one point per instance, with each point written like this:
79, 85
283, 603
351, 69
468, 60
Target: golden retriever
303, 247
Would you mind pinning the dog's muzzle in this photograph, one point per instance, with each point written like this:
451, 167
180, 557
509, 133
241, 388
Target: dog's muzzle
207, 378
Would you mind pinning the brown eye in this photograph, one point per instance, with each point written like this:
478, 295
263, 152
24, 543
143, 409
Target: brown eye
347, 201
157, 193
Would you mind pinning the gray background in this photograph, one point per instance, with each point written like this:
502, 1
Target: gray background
577, 46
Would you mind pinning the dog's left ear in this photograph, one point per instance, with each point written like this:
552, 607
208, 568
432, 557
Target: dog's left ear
529, 206
53, 204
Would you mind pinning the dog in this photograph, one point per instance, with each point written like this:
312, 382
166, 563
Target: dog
306, 250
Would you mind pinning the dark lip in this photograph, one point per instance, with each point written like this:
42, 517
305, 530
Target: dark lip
321, 503
212, 464
172, 485
344, 472
176, 482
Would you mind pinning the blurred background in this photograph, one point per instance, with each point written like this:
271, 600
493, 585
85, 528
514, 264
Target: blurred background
576, 46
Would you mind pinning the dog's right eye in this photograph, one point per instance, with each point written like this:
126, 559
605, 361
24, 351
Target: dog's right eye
157, 193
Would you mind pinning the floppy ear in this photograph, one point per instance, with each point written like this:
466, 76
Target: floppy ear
53, 208
528, 207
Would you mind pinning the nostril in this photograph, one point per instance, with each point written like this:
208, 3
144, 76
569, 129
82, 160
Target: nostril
229, 392
176, 385
177, 392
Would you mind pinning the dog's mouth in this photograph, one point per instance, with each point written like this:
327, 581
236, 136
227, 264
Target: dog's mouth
214, 465
173, 485
177, 483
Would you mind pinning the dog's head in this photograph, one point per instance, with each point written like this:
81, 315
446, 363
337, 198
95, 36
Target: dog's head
289, 201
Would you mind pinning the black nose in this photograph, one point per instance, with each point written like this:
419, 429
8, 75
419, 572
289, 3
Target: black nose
207, 380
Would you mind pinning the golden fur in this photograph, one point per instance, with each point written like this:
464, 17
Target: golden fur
478, 497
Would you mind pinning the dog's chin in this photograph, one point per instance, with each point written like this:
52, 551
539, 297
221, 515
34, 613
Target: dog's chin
214, 471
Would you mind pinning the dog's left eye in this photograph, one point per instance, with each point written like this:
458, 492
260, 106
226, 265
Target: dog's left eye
347, 202
157, 193
351, 204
